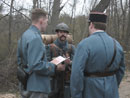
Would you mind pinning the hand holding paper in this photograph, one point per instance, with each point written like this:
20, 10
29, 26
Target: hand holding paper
67, 61
57, 61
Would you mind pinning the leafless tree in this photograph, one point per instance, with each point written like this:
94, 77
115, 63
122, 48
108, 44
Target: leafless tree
1, 7
55, 16
35, 4
128, 30
123, 9
54, 20
10, 22
16, 10
101, 7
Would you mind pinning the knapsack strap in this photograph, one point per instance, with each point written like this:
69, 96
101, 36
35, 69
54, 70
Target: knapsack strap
21, 53
53, 49
106, 72
113, 58
70, 48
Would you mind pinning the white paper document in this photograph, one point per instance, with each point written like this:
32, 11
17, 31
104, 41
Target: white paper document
58, 60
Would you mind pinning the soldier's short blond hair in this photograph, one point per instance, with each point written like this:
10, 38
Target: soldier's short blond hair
38, 13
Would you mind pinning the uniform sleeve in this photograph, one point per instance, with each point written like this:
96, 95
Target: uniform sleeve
73, 52
18, 53
77, 76
36, 58
48, 52
121, 71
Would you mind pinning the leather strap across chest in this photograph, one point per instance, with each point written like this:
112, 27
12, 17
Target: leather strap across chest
106, 72
54, 49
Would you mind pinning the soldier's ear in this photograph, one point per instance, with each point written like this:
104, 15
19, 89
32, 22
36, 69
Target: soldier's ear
91, 25
41, 22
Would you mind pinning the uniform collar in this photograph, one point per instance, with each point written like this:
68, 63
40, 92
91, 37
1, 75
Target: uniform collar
35, 29
98, 31
61, 45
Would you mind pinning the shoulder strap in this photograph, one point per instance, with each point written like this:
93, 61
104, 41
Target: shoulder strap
21, 53
53, 48
57, 47
70, 48
109, 65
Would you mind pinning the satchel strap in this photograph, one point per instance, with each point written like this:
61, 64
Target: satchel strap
113, 58
21, 53
106, 73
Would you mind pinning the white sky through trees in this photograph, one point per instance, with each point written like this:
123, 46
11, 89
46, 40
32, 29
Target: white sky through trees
82, 6
80, 9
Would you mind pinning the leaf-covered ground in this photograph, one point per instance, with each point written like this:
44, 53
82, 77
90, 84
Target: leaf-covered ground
124, 89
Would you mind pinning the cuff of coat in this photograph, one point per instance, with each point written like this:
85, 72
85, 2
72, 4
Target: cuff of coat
52, 68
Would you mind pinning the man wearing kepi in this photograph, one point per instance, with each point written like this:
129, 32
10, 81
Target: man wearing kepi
32, 53
61, 47
98, 65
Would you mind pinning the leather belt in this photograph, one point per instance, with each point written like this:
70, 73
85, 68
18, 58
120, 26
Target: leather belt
99, 74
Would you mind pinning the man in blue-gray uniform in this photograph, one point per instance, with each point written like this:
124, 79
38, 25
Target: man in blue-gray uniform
32, 54
98, 65
61, 47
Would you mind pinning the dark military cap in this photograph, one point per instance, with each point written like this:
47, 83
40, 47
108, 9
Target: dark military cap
97, 17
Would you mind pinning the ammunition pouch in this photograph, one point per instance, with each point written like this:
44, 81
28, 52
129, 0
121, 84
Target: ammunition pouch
22, 76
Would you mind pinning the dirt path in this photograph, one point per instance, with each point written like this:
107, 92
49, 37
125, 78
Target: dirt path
124, 89
8, 96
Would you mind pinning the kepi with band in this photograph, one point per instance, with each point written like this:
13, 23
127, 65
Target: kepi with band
97, 17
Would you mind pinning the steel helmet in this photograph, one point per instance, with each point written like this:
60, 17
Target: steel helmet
62, 27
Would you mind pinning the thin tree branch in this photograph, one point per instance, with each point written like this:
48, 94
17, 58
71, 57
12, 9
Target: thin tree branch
10, 22
64, 5
4, 16
17, 10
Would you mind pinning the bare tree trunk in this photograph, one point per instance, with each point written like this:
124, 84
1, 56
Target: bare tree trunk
117, 20
112, 17
94, 5
123, 20
128, 30
103, 4
49, 8
72, 14
1, 8
108, 11
55, 16
35, 2
40, 2
10, 22
73, 18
